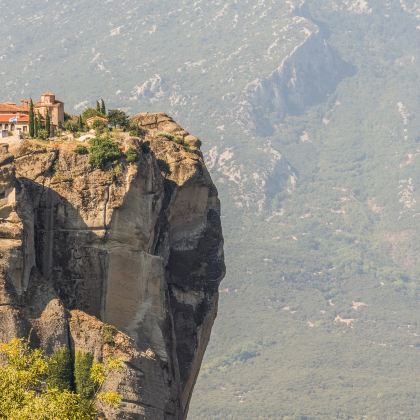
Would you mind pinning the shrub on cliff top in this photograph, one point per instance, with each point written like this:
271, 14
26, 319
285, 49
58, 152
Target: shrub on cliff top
170, 137
103, 151
108, 334
99, 125
89, 113
81, 150
175, 139
43, 134
131, 155
118, 118
72, 125
135, 130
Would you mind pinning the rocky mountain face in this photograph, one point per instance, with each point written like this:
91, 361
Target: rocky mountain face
139, 249
305, 77
309, 111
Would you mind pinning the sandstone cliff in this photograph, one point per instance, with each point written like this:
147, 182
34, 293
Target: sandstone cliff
140, 249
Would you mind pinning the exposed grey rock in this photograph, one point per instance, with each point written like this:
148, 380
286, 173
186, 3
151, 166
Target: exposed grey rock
304, 78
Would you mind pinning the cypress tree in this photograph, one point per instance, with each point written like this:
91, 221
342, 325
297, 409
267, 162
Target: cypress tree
103, 108
60, 370
48, 123
98, 106
37, 124
31, 119
84, 385
80, 123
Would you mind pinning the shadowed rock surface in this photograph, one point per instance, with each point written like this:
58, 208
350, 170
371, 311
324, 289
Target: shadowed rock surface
140, 249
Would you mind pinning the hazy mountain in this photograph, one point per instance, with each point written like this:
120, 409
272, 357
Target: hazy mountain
309, 115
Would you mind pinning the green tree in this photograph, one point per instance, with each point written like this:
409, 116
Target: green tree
118, 118
98, 107
108, 334
135, 130
71, 125
99, 125
84, 384
103, 107
48, 123
38, 122
90, 112
81, 150
80, 123
102, 152
29, 386
31, 119
43, 134
131, 155
60, 370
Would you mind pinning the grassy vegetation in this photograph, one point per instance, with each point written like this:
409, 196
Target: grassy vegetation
103, 151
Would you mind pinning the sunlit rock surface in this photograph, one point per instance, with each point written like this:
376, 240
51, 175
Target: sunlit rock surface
140, 248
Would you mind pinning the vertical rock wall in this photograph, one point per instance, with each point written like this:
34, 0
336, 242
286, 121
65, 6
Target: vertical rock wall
140, 249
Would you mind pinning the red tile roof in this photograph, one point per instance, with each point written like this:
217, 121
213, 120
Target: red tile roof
9, 107
5, 118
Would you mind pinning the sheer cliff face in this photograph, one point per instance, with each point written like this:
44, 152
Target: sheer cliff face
138, 248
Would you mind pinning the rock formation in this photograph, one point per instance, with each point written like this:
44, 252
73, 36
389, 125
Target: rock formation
305, 77
138, 247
